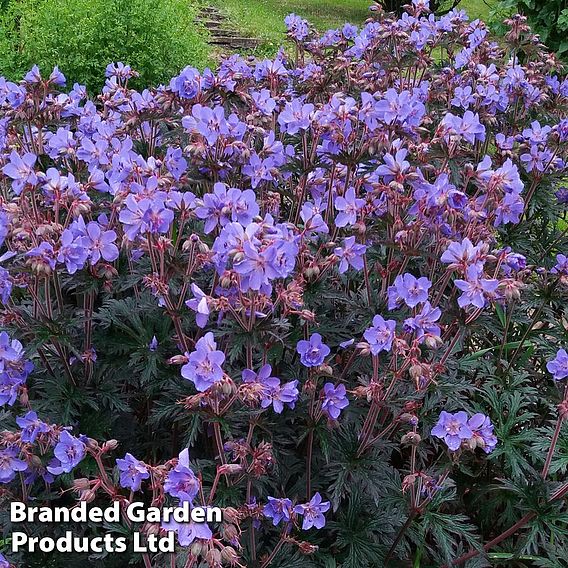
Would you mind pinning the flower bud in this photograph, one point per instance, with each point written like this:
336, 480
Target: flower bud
231, 515
88, 495
231, 533
416, 371
177, 360
24, 398
307, 548
197, 548
229, 555
225, 281
81, 484
411, 439
35, 462
432, 341
471, 443
213, 558
230, 468
325, 370
110, 445
407, 418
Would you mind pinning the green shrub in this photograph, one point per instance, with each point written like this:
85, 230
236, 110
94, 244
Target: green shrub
548, 18
156, 37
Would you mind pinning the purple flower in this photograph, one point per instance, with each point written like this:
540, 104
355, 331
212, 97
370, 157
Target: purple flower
349, 205
462, 255
475, 289
100, 243
5, 285
510, 209
469, 127
145, 216
188, 532
10, 464
536, 159
212, 124
175, 162
423, 324
287, 394
118, 70
453, 429
312, 352
204, 365
505, 178
313, 512
4, 224
199, 305
153, 345
68, 452
187, 83
335, 400
31, 426
381, 335
403, 107
513, 262
313, 221
181, 481
9, 388
409, 289
14, 368
440, 195
227, 204
43, 255
394, 167
257, 266
3, 562
350, 254
297, 27
9, 352
463, 97
561, 266
482, 432
558, 367
132, 472
263, 101
278, 509
73, 251
272, 392
21, 170
57, 78
295, 116
561, 196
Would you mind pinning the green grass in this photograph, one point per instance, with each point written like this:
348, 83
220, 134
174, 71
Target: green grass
478, 8
264, 19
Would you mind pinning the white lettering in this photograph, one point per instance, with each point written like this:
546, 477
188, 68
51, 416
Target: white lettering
17, 512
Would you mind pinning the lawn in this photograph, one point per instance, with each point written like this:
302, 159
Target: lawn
264, 19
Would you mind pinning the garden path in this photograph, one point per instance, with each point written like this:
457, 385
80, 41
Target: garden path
222, 35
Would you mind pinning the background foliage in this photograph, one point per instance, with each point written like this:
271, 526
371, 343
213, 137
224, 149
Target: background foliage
83, 36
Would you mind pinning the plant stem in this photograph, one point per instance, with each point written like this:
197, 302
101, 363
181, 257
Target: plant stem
554, 439
399, 536
309, 464
273, 553
509, 532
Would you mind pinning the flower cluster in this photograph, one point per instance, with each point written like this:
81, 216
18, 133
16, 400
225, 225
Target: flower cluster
459, 429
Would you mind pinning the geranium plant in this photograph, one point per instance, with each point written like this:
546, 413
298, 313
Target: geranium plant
325, 292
